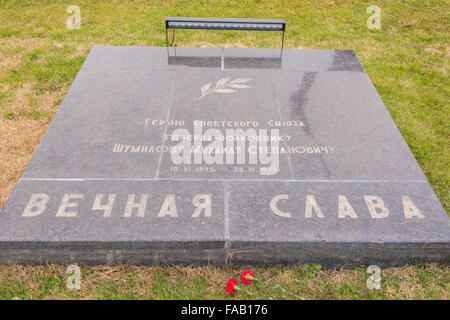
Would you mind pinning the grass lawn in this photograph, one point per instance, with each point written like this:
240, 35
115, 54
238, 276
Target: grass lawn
407, 60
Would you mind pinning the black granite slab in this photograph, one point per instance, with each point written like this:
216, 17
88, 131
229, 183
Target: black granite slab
102, 186
359, 237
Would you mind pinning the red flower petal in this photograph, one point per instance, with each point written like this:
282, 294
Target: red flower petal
230, 286
245, 274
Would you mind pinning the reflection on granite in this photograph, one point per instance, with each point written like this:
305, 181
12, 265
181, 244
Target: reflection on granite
111, 59
228, 63
345, 60
204, 62
252, 63
300, 98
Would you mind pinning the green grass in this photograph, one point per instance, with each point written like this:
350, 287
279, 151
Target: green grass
407, 60
191, 282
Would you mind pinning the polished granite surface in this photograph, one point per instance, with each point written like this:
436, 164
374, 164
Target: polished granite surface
102, 186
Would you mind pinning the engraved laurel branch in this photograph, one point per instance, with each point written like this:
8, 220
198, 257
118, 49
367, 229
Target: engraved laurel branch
224, 85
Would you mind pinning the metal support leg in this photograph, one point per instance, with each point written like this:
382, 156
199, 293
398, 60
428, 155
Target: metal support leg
282, 41
167, 38
173, 37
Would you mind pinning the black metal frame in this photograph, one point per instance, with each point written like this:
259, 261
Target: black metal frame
224, 24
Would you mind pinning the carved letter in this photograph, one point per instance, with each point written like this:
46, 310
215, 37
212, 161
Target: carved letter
107, 208
65, 203
410, 209
344, 208
273, 206
141, 205
37, 201
202, 205
169, 207
374, 203
311, 204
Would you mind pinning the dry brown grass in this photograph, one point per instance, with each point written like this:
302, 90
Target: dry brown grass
20, 135
141, 282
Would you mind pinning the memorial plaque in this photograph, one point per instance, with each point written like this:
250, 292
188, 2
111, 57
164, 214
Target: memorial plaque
211, 155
